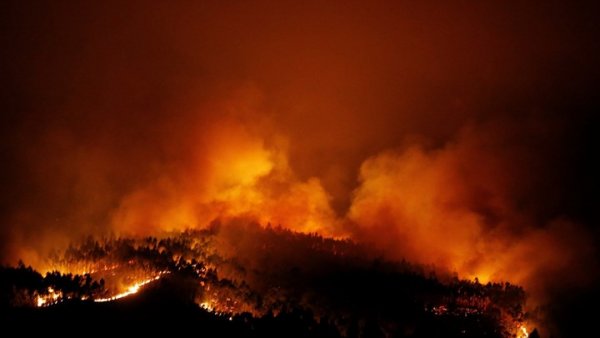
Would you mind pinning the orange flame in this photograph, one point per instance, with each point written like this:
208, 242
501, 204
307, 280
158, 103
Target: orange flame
51, 298
522, 332
133, 289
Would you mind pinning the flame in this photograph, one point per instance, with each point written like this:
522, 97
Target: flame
53, 297
522, 332
452, 207
131, 289
194, 145
207, 306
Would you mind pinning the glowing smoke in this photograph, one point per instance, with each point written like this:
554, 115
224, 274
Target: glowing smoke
454, 134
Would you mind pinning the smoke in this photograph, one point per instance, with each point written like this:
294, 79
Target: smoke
231, 172
459, 135
474, 206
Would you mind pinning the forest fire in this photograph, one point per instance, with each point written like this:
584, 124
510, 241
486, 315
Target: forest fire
132, 289
226, 285
339, 169
50, 298
522, 332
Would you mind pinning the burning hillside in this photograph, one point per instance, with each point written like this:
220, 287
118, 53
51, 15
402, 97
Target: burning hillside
247, 270
426, 166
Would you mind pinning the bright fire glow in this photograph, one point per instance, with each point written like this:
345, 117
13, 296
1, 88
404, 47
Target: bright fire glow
522, 332
51, 298
207, 306
131, 290
54, 297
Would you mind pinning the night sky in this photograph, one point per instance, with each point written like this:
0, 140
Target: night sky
460, 133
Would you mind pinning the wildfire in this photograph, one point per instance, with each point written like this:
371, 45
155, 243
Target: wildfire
207, 306
522, 332
51, 298
54, 297
216, 307
132, 289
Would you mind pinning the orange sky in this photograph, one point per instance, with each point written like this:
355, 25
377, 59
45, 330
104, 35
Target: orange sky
458, 134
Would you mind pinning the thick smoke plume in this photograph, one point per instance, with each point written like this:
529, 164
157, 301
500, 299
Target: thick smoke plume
473, 206
457, 135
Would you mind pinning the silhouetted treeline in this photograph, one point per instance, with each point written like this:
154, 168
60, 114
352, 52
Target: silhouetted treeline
270, 275
23, 286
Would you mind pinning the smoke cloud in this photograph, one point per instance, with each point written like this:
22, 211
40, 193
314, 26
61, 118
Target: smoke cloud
458, 135
473, 206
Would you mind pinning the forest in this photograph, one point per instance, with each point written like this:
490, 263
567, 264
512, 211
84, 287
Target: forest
251, 280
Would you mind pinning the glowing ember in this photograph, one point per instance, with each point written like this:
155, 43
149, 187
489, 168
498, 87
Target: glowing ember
131, 290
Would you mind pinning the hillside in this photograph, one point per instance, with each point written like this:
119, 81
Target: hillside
253, 281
